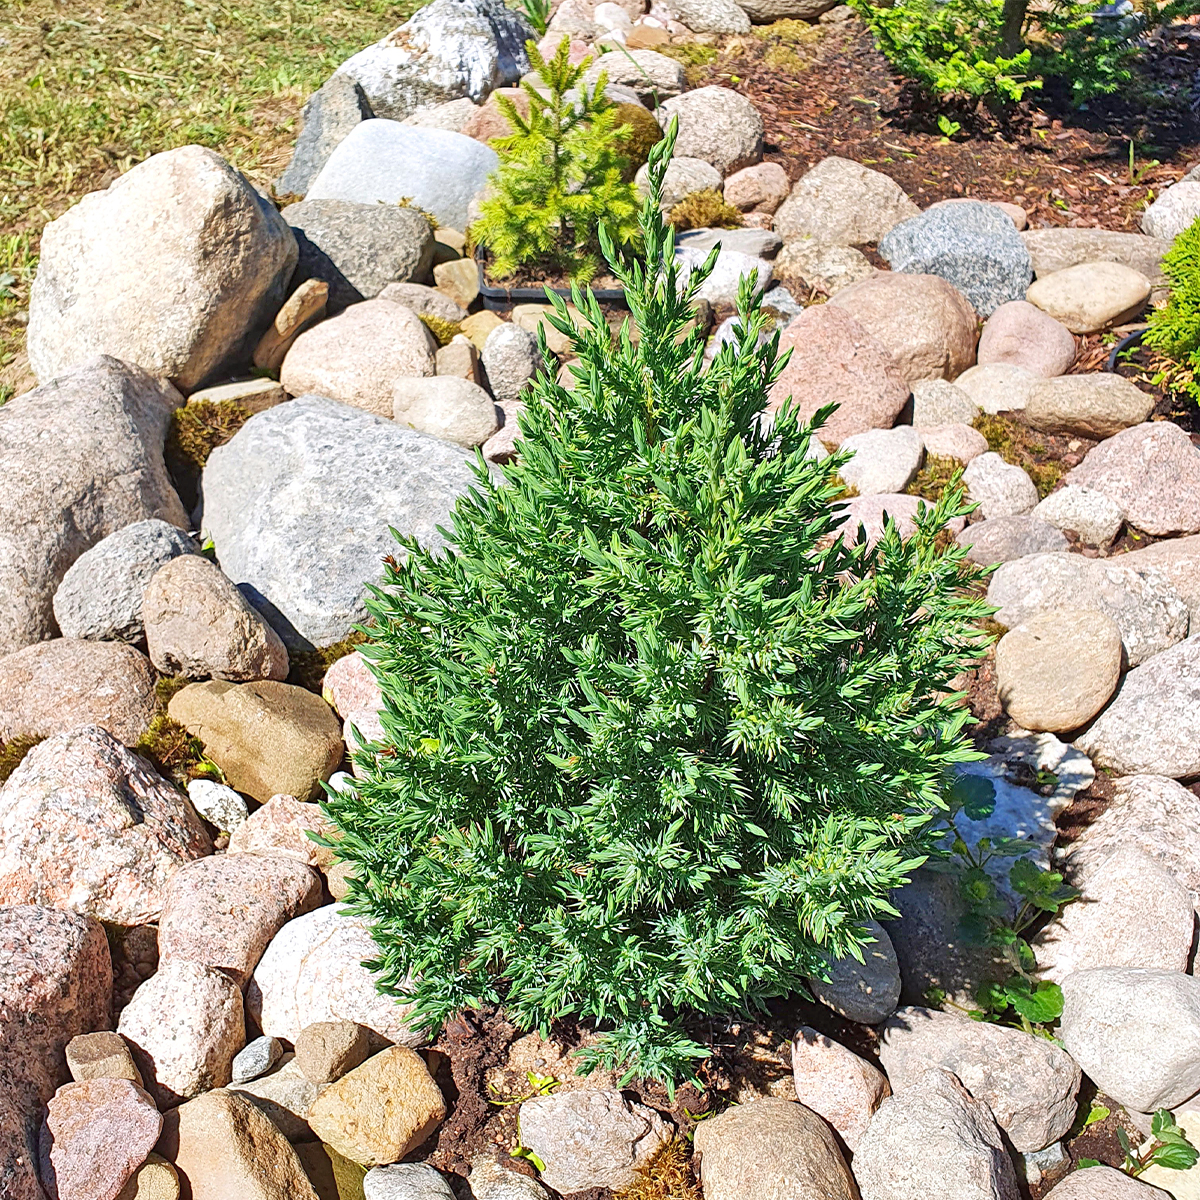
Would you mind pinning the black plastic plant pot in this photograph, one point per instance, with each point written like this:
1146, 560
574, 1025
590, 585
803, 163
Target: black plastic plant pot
501, 299
1128, 342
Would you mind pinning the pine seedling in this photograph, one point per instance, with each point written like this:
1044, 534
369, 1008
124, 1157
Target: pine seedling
660, 735
561, 175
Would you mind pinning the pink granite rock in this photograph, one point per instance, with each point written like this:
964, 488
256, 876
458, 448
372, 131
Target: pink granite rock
835, 1083
95, 1136
281, 828
87, 825
184, 1025
223, 911
956, 440
761, 188
1021, 335
350, 687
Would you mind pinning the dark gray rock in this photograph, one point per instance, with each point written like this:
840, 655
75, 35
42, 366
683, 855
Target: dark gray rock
358, 249
329, 114
100, 597
1002, 539
972, 245
300, 501
448, 50
80, 458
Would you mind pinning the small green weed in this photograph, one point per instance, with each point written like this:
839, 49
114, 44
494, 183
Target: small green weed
1168, 1147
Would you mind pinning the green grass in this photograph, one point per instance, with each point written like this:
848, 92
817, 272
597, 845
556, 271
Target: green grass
89, 88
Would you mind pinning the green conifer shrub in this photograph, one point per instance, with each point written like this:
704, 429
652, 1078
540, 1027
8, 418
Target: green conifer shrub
658, 741
561, 176
1174, 329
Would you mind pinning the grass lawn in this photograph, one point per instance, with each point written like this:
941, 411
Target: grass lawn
88, 88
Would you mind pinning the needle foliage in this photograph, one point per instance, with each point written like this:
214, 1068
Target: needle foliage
657, 739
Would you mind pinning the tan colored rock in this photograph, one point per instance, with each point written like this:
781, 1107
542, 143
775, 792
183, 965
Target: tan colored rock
103, 1055
961, 442
269, 738
828, 269
834, 355
836, 1084
184, 1026
533, 317
1091, 296
455, 410
96, 1134
283, 1095
1058, 669
458, 279
254, 395
56, 686
281, 828
381, 1110
86, 825
761, 188
155, 1179
478, 325
1091, 406
303, 307
771, 1150
1106, 1183
927, 325
225, 1148
357, 356
350, 686
199, 625
458, 359
338, 879
842, 203
326, 1050
223, 911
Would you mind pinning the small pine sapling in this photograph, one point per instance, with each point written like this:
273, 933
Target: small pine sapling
1174, 329
562, 175
659, 734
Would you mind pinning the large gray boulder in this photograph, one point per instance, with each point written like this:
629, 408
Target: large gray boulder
449, 49
178, 267
329, 114
358, 249
1028, 1083
100, 597
385, 162
80, 458
934, 1139
300, 501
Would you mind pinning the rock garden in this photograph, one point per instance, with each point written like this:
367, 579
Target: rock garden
620, 627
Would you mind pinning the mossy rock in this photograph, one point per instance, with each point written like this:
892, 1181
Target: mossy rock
196, 431
443, 331
644, 134
1017, 444
704, 210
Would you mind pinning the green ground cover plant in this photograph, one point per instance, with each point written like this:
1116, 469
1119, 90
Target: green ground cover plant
658, 741
561, 175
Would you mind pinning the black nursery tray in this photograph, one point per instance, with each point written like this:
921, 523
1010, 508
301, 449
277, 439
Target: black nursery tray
501, 299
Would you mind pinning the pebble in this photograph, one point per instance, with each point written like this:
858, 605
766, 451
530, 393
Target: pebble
1152, 472
836, 1084
1019, 334
268, 738
1090, 515
1135, 1032
1087, 406
217, 803
281, 828
998, 387
927, 325
960, 442
184, 1026
326, 1050
1152, 726
455, 410
406, 1181
96, 1135
999, 488
591, 1138
937, 403
102, 1055
1149, 613
1002, 539
934, 1139
884, 460
255, 1058
716, 124
380, 1111
1027, 1083
1091, 297
842, 203
1173, 211
771, 1150
1132, 913
1058, 669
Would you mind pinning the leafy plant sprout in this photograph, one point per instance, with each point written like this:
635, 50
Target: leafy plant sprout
1168, 1147
660, 735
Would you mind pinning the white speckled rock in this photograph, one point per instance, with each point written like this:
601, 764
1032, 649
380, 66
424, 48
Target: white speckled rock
961, 442
717, 125
722, 286
1090, 514
937, 402
312, 971
998, 387
184, 1026
885, 460
256, 1058
218, 804
999, 488
841, 203
684, 176
511, 359
455, 410
1173, 211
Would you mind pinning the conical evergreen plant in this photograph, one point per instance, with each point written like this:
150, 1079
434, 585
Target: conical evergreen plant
658, 739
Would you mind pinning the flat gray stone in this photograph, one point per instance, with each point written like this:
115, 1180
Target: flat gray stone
300, 501
1152, 726
1147, 610
328, 115
1056, 249
972, 245
1136, 1032
405, 1181
358, 249
1028, 1083
385, 162
448, 50
1001, 539
100, 596
867, 991
757, 243
256, 1058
